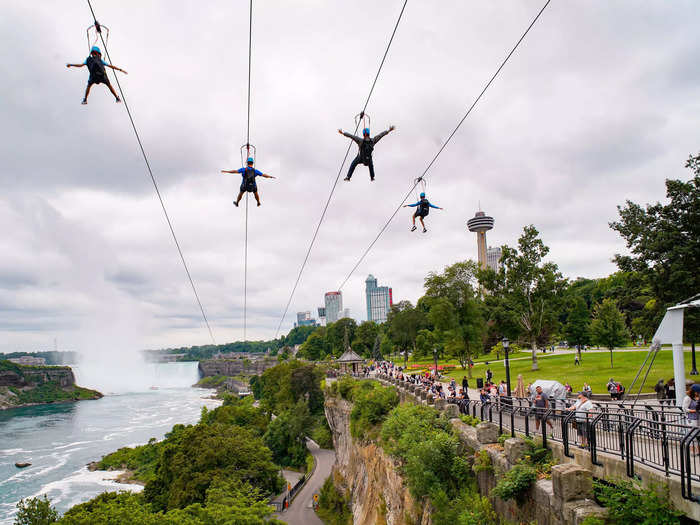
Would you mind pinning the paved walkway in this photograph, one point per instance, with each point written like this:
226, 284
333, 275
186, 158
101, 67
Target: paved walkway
301, 511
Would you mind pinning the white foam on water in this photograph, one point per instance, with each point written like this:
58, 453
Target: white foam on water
12, 451
73, 444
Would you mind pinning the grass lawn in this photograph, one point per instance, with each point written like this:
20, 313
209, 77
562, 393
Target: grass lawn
595, 369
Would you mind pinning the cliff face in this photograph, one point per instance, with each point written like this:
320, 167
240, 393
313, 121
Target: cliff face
234, 367
378, 493
23, 376
30, 385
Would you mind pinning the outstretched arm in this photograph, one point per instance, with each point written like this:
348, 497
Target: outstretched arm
266, 176
433, 206
230, 171
75, 65
381, 135
410, 205
350, 136
116, 68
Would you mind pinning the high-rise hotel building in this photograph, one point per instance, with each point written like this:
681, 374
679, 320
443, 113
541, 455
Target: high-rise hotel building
334, 306
379, 300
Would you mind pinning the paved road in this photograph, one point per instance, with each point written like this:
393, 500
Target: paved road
301, 512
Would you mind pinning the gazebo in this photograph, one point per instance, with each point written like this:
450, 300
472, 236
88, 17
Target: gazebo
350, 362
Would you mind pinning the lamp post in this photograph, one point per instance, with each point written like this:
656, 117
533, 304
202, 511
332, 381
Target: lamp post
506, 344
694, 371
435, 353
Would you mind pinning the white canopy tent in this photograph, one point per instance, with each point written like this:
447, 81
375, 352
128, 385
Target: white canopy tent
670, 331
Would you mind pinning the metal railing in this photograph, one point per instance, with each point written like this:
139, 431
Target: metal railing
655, 435
660, 440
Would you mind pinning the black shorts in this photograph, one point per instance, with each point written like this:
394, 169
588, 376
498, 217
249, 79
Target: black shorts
98, 79
419, 214
250, 186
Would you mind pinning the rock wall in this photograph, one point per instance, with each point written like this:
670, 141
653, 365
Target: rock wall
565, 499
32, 376
378, 492
234, 367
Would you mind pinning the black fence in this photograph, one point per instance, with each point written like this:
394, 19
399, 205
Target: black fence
656, 436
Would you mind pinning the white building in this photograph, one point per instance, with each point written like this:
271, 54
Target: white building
334, 306
493, 257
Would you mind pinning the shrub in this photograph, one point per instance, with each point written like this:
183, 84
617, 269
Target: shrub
470, 420
629, 504
371, 405
502, 438
35, 511
516, 483
482, 462
333, 506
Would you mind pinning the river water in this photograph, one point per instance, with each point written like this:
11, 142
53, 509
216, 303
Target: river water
60, 440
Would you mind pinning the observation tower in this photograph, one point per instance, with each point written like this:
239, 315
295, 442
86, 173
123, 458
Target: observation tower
480, 224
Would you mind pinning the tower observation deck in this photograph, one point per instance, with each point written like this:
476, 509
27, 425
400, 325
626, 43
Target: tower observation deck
480, 224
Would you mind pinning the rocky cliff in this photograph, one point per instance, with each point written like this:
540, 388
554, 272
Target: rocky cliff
378, 492
29, 385
234, 367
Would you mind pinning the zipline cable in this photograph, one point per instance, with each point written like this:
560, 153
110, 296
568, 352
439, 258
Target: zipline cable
444, 145
247, 142
153, 179
340, 170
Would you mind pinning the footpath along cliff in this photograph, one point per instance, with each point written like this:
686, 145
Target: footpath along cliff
32, 385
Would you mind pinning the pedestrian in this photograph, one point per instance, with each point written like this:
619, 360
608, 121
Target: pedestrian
582, 407
612, 389
568, 388
541, 405
587, 388
576, 361
465, 383
489, 375
670, 390
659, 389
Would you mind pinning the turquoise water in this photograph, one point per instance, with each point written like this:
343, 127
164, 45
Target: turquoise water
60, 440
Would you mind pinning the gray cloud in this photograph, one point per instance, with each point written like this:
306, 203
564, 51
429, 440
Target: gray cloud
596, 107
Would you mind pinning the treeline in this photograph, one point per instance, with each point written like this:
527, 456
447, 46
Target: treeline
467, 311
52, 357
295, 336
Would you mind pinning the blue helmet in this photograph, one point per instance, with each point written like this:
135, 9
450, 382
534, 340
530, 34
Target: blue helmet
95, 49
251, 160
422, 195
365, 131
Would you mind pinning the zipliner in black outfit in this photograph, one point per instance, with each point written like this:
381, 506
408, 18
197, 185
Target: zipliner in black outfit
98, 74
366, 147
248, 184
423, 208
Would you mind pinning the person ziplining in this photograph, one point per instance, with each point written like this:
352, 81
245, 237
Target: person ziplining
366, 147
98, 74
248, 184
423, 206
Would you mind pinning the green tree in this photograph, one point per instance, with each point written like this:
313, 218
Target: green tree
461, 323
404, 321
425, 342
365, 336
578, 326
335, 335
286, 436
527, 287
315, 348
608, 326
35, 511
664, 241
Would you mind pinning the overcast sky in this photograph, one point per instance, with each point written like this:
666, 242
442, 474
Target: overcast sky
600, 104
